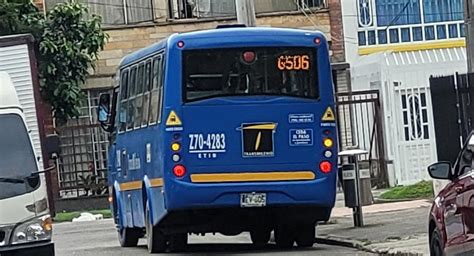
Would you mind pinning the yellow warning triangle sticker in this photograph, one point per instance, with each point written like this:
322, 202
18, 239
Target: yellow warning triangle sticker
173, 119
329, 115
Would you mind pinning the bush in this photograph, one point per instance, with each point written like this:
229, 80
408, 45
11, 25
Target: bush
420, 190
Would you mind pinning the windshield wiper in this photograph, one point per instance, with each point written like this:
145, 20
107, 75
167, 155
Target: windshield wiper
12, 180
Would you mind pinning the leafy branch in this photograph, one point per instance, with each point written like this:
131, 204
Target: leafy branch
68, 42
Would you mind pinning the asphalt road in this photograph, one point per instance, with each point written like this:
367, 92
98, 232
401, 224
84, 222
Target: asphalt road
100, 239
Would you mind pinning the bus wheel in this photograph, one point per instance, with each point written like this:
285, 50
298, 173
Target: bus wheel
260, 236
306, 236
156, 240
284, 237
178, 242
128, 237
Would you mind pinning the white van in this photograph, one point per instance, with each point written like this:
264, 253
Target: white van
25, 223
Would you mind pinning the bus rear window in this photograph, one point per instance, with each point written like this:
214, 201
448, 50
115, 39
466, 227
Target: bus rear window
258, 71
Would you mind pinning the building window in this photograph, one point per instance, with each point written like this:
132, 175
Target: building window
441, 31
116, 12
415, 117
417, 34
365, 13
398, 12
394, 38
453, 31
415, 20
406, 35
371, 37
463, 29
382, 34
429, 33
312, 3
362, 38
444, 10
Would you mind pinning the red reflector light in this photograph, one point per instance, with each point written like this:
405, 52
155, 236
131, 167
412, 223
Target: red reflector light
325, 166
180, 44
248, 57
317, 40
179, 171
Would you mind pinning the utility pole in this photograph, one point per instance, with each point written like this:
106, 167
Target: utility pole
246, 12
468, 13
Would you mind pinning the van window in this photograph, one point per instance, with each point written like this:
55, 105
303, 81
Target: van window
17, 159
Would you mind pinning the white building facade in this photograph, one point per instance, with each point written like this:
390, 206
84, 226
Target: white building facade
395, 46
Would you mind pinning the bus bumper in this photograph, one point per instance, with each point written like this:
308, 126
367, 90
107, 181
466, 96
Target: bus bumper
185, 195
36, 249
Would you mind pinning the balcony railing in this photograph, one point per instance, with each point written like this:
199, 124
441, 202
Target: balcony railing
187, 9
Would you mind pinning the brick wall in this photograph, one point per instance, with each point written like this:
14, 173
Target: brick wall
128, 39
337, 31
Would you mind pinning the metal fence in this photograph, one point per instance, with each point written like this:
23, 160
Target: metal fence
360, 123
82, 166
186, 9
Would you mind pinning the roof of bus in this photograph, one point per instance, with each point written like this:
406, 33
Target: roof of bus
216, 33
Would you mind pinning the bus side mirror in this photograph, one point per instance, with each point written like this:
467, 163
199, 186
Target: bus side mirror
103, 110
52, 146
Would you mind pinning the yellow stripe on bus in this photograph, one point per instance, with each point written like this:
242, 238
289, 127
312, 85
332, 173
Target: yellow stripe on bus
133, 185
261, 127
156, 183
136, 185
252, 176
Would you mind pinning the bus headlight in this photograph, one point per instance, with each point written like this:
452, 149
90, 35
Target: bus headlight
37, 229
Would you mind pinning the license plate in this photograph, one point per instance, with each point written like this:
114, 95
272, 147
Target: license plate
253, 200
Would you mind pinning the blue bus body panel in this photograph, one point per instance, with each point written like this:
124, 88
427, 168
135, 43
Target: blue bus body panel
226, 115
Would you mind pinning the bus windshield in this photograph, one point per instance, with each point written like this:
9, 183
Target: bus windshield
17, 160
258, 71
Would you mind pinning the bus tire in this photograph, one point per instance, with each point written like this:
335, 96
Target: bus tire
306, 236
178, 242
284, 237
128, 237
260, 236
155, 239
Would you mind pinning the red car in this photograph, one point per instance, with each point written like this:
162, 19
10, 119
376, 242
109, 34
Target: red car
451, 225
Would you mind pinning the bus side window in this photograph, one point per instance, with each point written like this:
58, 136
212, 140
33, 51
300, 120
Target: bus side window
161, 83
122, 118
137, 116
154, 91
132, 84
146, 94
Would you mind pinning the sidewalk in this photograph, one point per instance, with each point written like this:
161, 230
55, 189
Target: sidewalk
390, 228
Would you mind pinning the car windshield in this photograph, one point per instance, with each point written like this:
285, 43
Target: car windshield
17, 159
275, 71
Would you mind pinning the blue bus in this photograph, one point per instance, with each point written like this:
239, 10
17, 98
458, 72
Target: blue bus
227, 130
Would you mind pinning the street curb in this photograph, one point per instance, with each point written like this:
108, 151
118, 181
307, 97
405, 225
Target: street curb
345, 242
339, 241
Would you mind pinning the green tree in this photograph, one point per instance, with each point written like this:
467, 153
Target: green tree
69, 40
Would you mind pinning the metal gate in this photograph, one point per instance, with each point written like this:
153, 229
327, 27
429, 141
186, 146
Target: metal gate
453, 113
360, 122
83, 159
